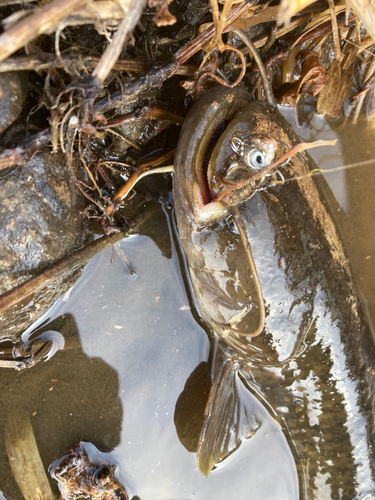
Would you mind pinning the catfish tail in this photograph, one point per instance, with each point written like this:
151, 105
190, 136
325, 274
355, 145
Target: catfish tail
230, 415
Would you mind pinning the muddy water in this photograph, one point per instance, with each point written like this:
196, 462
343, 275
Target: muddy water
133, 340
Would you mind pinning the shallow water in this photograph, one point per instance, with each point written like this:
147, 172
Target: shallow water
133, 340
352, 197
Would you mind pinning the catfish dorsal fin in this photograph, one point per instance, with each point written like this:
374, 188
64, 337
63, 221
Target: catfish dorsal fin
230, 414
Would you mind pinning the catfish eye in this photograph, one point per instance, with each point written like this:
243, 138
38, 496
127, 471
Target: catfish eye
257, 159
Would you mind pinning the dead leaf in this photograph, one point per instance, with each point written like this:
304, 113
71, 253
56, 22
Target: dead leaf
289, 8
313, 78
162, 17
252, 18
339, 76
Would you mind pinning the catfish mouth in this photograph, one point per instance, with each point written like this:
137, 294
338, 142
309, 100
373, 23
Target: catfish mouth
251, 154
208, 145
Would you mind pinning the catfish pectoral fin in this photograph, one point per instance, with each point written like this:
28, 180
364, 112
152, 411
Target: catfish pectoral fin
230, 416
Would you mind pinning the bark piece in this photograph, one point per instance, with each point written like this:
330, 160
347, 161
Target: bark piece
24, 459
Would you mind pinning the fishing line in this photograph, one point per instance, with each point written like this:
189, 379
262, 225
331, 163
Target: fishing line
319, 171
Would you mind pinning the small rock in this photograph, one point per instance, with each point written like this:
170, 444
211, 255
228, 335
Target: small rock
40, 223
13, 88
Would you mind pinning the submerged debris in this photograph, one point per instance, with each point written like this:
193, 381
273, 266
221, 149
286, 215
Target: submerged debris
78, 477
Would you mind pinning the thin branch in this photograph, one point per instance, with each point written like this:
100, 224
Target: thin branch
335, 31
67, 264
133, 10
24, 153
157, 75
44, 61
206, 36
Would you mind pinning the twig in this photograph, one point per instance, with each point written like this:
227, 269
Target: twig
4, 3
84, 163
146, 113
335, 31
46, 61
157, 75
67, 264
317, 27
22, 154
219, 22
198, 42
123, 192
133, 10
143, 171
24, 458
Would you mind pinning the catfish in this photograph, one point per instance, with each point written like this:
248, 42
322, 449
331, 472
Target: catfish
273, 285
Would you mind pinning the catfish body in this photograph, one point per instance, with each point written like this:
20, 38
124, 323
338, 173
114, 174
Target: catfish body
314, 362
